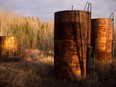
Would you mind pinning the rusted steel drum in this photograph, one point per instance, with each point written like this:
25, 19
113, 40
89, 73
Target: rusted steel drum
70, 43
8, 47
102, 38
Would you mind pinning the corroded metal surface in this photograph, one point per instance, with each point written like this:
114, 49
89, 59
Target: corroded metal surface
8, 46
70, 46
102, 38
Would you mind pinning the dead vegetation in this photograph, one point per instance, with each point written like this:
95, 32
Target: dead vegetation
40, 73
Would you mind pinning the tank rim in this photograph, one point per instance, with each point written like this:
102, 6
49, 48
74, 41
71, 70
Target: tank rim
100, 18
9, 36
72, 11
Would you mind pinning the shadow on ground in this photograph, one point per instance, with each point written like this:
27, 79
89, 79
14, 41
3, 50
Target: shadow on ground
41, 74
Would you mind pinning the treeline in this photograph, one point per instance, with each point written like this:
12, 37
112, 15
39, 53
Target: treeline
32, 32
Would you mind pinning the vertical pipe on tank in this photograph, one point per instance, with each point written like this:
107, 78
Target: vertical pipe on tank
88, 7
112, 17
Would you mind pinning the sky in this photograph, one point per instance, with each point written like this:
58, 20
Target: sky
45, 9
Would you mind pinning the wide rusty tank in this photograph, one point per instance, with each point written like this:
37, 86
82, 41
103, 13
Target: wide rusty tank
102, 38
8, 47
71, 38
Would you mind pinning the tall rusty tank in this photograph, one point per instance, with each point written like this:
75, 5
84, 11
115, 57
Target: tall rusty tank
71, 38
8, 47
102, 39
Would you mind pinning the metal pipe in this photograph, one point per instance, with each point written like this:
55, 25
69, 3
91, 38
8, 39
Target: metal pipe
112, 17
88, 7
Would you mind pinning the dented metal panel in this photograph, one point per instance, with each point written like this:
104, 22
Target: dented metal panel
102, 32
70, 43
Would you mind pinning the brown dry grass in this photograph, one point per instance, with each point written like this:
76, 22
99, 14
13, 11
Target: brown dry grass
40, 73
26, 74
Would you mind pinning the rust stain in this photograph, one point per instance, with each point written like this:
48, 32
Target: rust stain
102, 32
71, 38
8, 46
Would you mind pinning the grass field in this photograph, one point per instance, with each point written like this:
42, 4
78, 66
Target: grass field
40, 73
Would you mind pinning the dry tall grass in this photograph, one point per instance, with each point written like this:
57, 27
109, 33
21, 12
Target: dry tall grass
31, 32
40, 73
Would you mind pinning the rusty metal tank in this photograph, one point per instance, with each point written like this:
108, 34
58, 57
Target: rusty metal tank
71, 39
8, 47
102, 38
